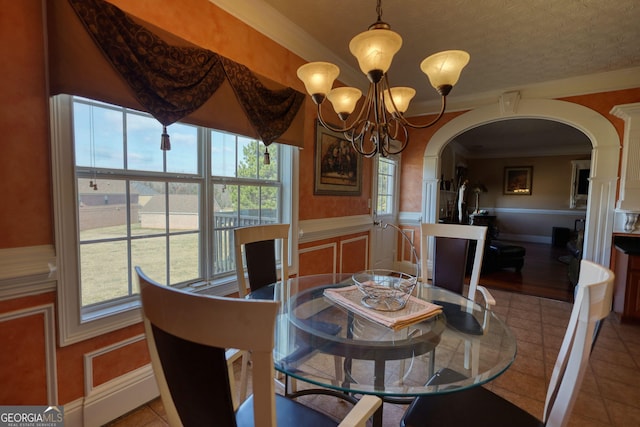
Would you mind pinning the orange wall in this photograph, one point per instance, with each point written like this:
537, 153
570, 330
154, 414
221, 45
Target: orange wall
25, 216
412, 158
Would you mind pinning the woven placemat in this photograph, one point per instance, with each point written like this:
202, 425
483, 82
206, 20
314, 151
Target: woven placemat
415, 311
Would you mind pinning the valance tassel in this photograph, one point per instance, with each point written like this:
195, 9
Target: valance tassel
165, 143
267, 158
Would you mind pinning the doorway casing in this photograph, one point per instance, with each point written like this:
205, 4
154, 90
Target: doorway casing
604, 162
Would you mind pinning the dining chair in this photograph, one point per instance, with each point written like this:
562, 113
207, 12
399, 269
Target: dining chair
187, 336
448, 246
255, 249
480, 407
259, 248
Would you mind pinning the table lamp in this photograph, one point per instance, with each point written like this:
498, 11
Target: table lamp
477, 189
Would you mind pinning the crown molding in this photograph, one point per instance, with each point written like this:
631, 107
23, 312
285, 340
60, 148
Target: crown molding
268, 21
627, 78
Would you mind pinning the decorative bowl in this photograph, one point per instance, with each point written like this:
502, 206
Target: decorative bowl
384, 290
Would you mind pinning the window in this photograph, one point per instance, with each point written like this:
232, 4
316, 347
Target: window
580, 172
386, 186
122, 202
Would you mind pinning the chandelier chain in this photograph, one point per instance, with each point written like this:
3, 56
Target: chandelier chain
379, 10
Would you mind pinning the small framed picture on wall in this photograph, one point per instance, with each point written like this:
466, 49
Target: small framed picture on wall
518, 180
338, 168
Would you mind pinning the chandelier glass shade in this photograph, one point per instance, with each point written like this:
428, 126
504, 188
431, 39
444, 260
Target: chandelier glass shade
379, 126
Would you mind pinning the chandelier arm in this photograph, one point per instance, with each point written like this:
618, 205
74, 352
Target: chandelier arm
393, 103
324, 123
360, 150
367, 154
365, 111
431, 123
360, 126
405, 140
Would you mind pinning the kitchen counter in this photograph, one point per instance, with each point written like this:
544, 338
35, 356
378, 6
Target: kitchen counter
628, 244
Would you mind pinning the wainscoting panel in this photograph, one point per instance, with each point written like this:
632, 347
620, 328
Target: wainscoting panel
28, 361
354, 254
106, 363
317, 259
111, 386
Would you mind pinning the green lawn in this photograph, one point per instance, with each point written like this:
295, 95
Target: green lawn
105, 265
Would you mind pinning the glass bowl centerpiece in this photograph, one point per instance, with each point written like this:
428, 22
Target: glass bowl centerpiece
384, 290
387, 290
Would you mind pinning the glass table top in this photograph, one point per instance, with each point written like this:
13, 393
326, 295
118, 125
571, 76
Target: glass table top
327, 344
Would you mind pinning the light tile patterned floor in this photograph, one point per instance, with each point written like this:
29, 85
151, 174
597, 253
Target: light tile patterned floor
610, 394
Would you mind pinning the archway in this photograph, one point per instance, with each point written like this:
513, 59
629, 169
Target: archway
604, 160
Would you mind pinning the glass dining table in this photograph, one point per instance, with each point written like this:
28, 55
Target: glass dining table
344, 352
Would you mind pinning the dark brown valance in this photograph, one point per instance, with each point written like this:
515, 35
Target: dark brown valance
168, 77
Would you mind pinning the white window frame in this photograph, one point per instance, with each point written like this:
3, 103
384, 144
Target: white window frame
73, 326
393, 194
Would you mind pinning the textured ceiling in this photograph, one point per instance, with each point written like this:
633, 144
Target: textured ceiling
526, 45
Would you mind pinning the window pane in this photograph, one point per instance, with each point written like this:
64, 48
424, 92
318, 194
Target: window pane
150, 254
223, 254
151, 208
183, 156
250, 204
102, 213
386, 183
223, 154
184, 206
225, 219
248, 161
383, 167
143, 143
98, 134
383, 184
184, 252
225, 198
104, 271
269, 205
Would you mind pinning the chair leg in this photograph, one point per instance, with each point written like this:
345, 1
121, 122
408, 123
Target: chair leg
475, 358
471, 356
401, 371
232, 384
339, 369
293, 384
243, 376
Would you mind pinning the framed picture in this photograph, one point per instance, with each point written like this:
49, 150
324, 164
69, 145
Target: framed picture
338, 167
517, 180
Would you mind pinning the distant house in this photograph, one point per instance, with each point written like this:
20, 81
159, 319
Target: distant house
105, 205
183, 211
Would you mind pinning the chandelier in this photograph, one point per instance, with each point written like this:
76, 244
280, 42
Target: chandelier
380, 126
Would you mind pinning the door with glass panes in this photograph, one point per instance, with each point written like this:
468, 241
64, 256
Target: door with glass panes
384, 241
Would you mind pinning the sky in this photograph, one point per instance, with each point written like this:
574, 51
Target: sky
99, 142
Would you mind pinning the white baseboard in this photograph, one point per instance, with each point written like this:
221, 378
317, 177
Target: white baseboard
112, 399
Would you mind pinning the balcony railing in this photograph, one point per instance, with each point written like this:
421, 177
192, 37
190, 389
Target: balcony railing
223, 244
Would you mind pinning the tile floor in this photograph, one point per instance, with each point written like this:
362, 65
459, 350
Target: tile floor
610, 394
